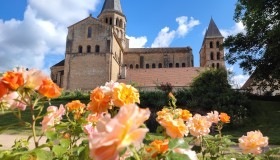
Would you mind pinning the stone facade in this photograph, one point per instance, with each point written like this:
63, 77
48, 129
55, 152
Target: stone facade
97, 52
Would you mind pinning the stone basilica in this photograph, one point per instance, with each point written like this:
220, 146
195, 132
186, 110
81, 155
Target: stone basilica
97, 51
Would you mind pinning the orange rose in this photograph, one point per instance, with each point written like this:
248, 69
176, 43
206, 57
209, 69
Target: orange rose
185, 115
125, 94
157, 147
100, 102
224, 118
75, 105
13, 80
252, 142
175, 128
49, 89
3, 89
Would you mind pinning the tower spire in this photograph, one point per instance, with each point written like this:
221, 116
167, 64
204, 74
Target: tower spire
112, 6
212, 30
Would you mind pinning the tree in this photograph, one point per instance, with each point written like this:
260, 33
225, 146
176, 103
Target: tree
211, 91
257, 50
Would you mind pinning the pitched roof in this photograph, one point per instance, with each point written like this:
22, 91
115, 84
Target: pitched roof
212, 30
112, 5
178, 77
158, 50
61, 63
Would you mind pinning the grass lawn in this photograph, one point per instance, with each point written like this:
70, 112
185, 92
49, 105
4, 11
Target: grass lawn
264, 116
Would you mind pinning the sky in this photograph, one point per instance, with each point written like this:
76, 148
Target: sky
33, 32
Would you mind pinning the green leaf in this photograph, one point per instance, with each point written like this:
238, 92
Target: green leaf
153, 136
43, 154
123, 151
51, 135
177, 143
177, 156
273, 151
59, 150
65, 143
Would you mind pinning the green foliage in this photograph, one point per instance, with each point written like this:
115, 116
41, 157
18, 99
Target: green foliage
74, 95
257, 49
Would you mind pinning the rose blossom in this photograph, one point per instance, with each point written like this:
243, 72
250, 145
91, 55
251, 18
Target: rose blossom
253, 142
53, 117
12, 100
115, 134
213, 117
199, 125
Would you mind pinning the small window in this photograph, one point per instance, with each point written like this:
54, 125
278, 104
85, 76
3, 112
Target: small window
218, 44
106, 20
131, 66
159, 65
88, 49
218, 56
121, 23
218, 65
137, 66
80, 49
177, 65
97, 48
89, 32
211, 56
170, 65
117, 22
153, 65
213, 65
183, 64
111, 21
211, 44
147, 66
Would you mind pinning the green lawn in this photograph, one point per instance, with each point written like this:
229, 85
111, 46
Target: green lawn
264, 116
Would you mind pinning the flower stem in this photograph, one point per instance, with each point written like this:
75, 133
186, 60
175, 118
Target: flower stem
135, 154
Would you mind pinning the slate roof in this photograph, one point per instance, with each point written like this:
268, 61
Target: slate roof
178, 77
61, 63
112, 5
159, 50
212, 30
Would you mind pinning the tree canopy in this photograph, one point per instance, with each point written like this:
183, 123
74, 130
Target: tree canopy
257, 50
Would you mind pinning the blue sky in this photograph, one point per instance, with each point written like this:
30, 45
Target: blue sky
33, 32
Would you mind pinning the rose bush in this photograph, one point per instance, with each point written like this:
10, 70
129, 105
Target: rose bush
111, 126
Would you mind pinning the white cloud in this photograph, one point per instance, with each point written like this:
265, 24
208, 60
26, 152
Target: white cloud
237, 28
42, 32
239, 80
166, 36
185, 26
137, 42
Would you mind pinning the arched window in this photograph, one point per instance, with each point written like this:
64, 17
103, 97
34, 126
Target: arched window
89, 33
137, 66
218, 44
218, 56
213, 65
211, 56
183, 64
131, 66
159, 65
211, 44
153, 65
170, 65
97, 48
88, 49
106, 20
121, 34
147, 66
177, 65
80, 49
111, 20
218, 65
121, 23
117, 22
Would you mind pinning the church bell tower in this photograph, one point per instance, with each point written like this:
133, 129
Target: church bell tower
112, 14
211, 52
